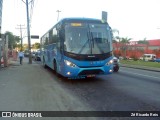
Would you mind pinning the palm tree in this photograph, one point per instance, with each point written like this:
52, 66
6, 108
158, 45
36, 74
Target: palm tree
125, 42
145, 42
116, 38
115, 31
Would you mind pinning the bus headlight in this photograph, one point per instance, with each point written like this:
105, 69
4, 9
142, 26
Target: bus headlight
68, 63
110, 62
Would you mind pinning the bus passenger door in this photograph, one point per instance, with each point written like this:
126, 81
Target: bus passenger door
59, 55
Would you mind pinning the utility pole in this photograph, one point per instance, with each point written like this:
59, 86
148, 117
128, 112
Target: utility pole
20, 27
5, 52
28, 30
1, 48
58, 11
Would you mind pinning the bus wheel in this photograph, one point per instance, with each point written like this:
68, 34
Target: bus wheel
55, 67
44, 63
116, 69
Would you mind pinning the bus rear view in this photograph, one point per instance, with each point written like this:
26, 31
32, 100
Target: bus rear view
85, 48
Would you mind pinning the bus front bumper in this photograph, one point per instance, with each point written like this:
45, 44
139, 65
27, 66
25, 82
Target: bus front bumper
76, 72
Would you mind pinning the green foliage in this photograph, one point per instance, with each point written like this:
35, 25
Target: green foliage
143, 42
115, 34
114, 41
12, 40
125, 40
141, 63
36, 46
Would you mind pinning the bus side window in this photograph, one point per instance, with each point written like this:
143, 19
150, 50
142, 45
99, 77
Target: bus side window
55, 36
57, 40
51, 36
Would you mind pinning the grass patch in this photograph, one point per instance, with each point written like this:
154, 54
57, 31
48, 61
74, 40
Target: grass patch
141, 63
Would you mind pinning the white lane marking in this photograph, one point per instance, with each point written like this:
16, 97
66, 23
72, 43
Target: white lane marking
142, 75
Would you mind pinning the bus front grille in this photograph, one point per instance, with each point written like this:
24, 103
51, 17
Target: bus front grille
89, 72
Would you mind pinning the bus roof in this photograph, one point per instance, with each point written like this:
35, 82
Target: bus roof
78, 19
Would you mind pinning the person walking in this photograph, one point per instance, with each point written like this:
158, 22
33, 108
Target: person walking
21, 56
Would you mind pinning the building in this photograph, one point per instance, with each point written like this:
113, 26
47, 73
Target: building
136, 50
1, 4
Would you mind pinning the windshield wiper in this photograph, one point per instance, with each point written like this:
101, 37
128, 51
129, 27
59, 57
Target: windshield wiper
84, 44
92, 43
92, 38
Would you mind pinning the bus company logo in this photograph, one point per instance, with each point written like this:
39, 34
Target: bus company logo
6, 114
91, 56
93, 63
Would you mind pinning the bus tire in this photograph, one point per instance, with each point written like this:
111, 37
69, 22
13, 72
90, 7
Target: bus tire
55, 69
116, 69
44, 63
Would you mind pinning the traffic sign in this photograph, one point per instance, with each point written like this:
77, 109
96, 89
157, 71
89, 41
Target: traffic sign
35, 36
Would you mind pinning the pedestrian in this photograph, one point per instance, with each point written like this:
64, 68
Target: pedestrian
21, 56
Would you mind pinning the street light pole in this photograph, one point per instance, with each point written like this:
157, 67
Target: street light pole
28, 30
58, 11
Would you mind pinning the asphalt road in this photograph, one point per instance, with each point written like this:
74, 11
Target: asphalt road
128, 90
33, 88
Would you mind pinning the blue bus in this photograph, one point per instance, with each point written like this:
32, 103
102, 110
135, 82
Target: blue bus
78, 48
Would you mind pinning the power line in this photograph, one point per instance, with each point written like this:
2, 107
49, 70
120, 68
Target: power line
20, 28
23, 1
28, 27
31, 2
28, 31
31, 10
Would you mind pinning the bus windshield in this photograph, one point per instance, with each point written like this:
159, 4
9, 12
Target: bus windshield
86, 38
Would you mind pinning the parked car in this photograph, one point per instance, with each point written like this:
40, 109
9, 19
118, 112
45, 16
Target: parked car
115, 64
149, 57
37, 56
121, 58
26, 53
140, 58
33, 54
157, 60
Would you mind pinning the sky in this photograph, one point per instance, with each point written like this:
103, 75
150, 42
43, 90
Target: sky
136, 19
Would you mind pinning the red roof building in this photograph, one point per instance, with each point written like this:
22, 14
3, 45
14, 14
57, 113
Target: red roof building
137, 50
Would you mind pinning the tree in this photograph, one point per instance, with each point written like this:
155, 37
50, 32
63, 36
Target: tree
116, 40
25, 46
115, 31
36, 46
144, 41
12, 40
125, 42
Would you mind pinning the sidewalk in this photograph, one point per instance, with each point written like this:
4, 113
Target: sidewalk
30, 87
25, 61
13, 62
141, 67
17, 62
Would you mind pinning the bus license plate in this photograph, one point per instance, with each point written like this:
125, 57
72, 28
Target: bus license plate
91, 75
